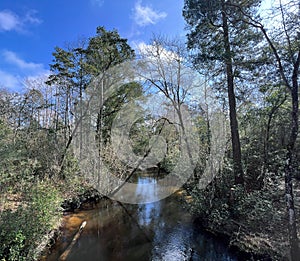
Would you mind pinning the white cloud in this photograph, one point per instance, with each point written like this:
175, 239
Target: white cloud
24, 69
13, 59
10, 21
40, 76
8, 80
17, 82
151, 52
30, 17
145, 15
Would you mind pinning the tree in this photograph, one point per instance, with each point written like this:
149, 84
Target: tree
63, 77
285, 47
217, 37
106, 50
45, 109
166, 70
123, 95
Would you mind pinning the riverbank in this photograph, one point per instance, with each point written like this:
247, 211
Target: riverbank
31, 215
249, 247
161, 230
242, 237
87, 199
254, 239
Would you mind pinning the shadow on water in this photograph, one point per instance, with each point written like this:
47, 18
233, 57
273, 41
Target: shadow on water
162, 230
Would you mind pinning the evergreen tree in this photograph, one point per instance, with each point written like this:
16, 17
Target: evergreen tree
218, 37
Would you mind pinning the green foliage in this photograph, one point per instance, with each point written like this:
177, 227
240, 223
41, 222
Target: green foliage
130, 92
204, 20
45, 202
170, 159
264, 136
37, 165
171, 136
219, 215
215, 196
28, 156
107, 49
31, 152
24, 228
140, 134
256, 209
15, 167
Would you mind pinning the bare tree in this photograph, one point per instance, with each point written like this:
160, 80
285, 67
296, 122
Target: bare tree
163, 65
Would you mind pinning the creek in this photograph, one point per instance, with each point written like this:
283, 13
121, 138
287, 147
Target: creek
162, 230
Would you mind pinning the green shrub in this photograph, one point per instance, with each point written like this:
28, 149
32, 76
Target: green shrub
23, 229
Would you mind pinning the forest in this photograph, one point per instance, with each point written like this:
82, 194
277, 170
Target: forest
218, 111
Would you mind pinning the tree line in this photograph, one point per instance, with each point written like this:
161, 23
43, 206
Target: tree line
237, 60
247, 48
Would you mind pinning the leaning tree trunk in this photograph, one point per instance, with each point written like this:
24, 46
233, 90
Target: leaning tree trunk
235, 138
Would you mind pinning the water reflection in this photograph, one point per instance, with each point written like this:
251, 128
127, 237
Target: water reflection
151, 211
155, 231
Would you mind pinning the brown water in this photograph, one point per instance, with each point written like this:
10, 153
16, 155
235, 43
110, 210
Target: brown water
162, 230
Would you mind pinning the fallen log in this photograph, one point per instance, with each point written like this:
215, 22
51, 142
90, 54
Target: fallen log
65, 254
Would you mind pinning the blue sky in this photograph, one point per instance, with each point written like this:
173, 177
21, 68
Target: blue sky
30, 29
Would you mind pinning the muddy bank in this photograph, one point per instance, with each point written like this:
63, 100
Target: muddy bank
87, 199
83, 201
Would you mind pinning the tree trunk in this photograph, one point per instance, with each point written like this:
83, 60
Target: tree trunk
291, 154
235, 138
66, 253
289, 170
